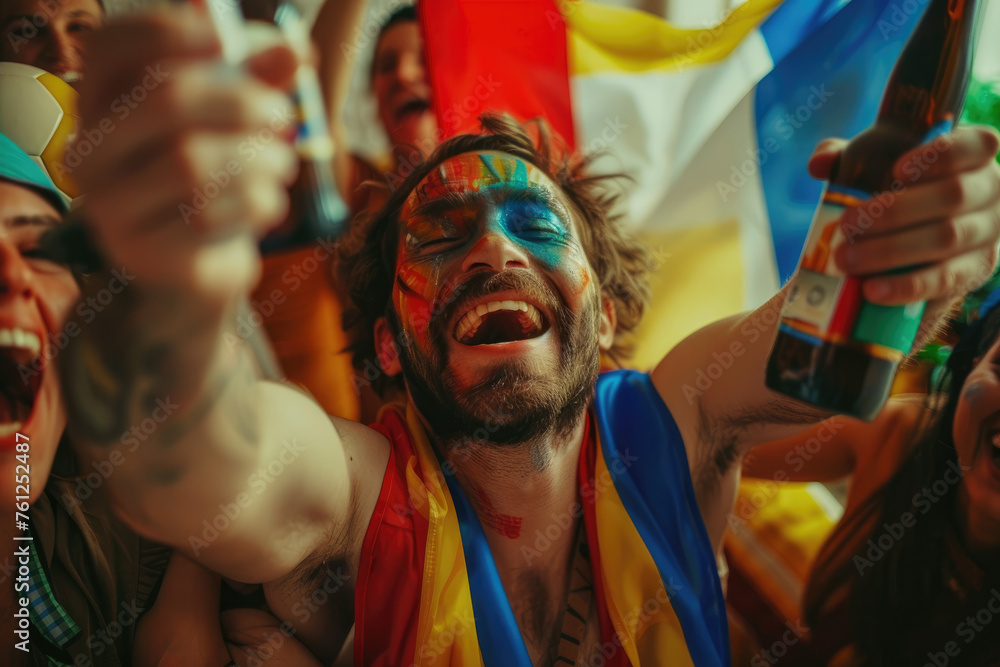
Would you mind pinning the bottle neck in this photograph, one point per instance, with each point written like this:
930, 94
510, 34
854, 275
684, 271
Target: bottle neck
928, 83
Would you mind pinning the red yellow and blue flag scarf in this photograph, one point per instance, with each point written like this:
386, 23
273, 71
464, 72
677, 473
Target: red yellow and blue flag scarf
428, 589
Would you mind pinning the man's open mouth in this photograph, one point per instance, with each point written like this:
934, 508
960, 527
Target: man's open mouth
19, 349
500, 322
413, 107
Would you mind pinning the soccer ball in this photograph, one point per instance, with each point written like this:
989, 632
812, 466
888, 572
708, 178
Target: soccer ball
38, 113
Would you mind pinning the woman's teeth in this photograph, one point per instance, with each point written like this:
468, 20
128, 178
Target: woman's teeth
21, 339
7, 429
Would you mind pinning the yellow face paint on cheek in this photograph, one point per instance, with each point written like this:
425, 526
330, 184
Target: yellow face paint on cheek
415, 289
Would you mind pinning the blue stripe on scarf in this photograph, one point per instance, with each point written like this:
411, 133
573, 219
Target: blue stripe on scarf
645, 454
500, 640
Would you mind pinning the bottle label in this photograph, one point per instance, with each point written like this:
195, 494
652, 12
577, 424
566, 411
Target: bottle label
824, 305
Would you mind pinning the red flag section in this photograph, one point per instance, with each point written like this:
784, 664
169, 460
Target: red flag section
496, 55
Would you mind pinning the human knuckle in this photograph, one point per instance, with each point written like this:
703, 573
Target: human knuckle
912, 287
950, 234
954, 192
173, 96
186, 161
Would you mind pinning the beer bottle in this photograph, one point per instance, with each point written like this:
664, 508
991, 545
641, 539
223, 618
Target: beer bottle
316, 209
834, 349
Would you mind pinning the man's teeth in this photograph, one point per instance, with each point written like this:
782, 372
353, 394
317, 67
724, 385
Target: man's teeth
71, 77
472, 319
19, 338
7, 429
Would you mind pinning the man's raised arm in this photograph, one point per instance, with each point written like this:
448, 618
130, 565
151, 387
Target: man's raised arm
247, 476
945, 222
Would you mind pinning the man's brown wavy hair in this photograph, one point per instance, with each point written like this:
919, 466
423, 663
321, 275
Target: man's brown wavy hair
368, 255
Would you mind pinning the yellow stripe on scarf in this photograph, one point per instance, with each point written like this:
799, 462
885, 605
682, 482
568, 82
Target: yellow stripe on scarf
618, 39
637, 600
446, 629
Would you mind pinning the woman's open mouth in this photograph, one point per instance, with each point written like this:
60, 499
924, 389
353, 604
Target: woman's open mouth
20, 377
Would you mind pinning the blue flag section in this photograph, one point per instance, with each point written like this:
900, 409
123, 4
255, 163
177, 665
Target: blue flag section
827, 82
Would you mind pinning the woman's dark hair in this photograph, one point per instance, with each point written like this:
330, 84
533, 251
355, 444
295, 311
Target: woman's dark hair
896, 597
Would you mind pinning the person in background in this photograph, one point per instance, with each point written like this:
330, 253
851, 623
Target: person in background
397, 78
87, 569
490, 282
49, 35
915, 558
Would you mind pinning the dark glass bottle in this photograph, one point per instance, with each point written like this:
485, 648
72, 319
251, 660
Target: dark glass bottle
834, 349
317, 211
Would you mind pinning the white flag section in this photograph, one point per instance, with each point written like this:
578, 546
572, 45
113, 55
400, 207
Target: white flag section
680, 131
674, 106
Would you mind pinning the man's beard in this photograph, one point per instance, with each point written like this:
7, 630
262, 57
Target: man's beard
511, 405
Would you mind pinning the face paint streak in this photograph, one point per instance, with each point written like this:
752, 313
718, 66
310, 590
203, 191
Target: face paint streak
412, 280
473, 172
506, 525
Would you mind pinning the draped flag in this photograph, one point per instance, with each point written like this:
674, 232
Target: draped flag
714, 125
429, 593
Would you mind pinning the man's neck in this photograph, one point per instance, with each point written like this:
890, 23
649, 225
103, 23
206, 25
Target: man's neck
527, 499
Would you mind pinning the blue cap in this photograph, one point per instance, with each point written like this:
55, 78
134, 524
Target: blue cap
17, 167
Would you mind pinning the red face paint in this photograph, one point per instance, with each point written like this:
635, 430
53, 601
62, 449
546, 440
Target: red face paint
506, 525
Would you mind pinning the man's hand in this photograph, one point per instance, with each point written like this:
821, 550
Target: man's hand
190, 158
943, 219
185, 166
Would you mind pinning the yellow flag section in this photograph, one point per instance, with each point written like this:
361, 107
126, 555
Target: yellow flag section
672, 108
647, 626
445, 596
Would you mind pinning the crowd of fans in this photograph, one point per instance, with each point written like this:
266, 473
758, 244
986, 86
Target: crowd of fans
256, 522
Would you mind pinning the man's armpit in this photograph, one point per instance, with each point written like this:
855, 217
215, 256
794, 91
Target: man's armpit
725, 438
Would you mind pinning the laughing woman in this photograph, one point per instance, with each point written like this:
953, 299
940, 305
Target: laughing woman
911, 573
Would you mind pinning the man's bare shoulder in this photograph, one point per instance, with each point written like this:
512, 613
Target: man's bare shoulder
317, 597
